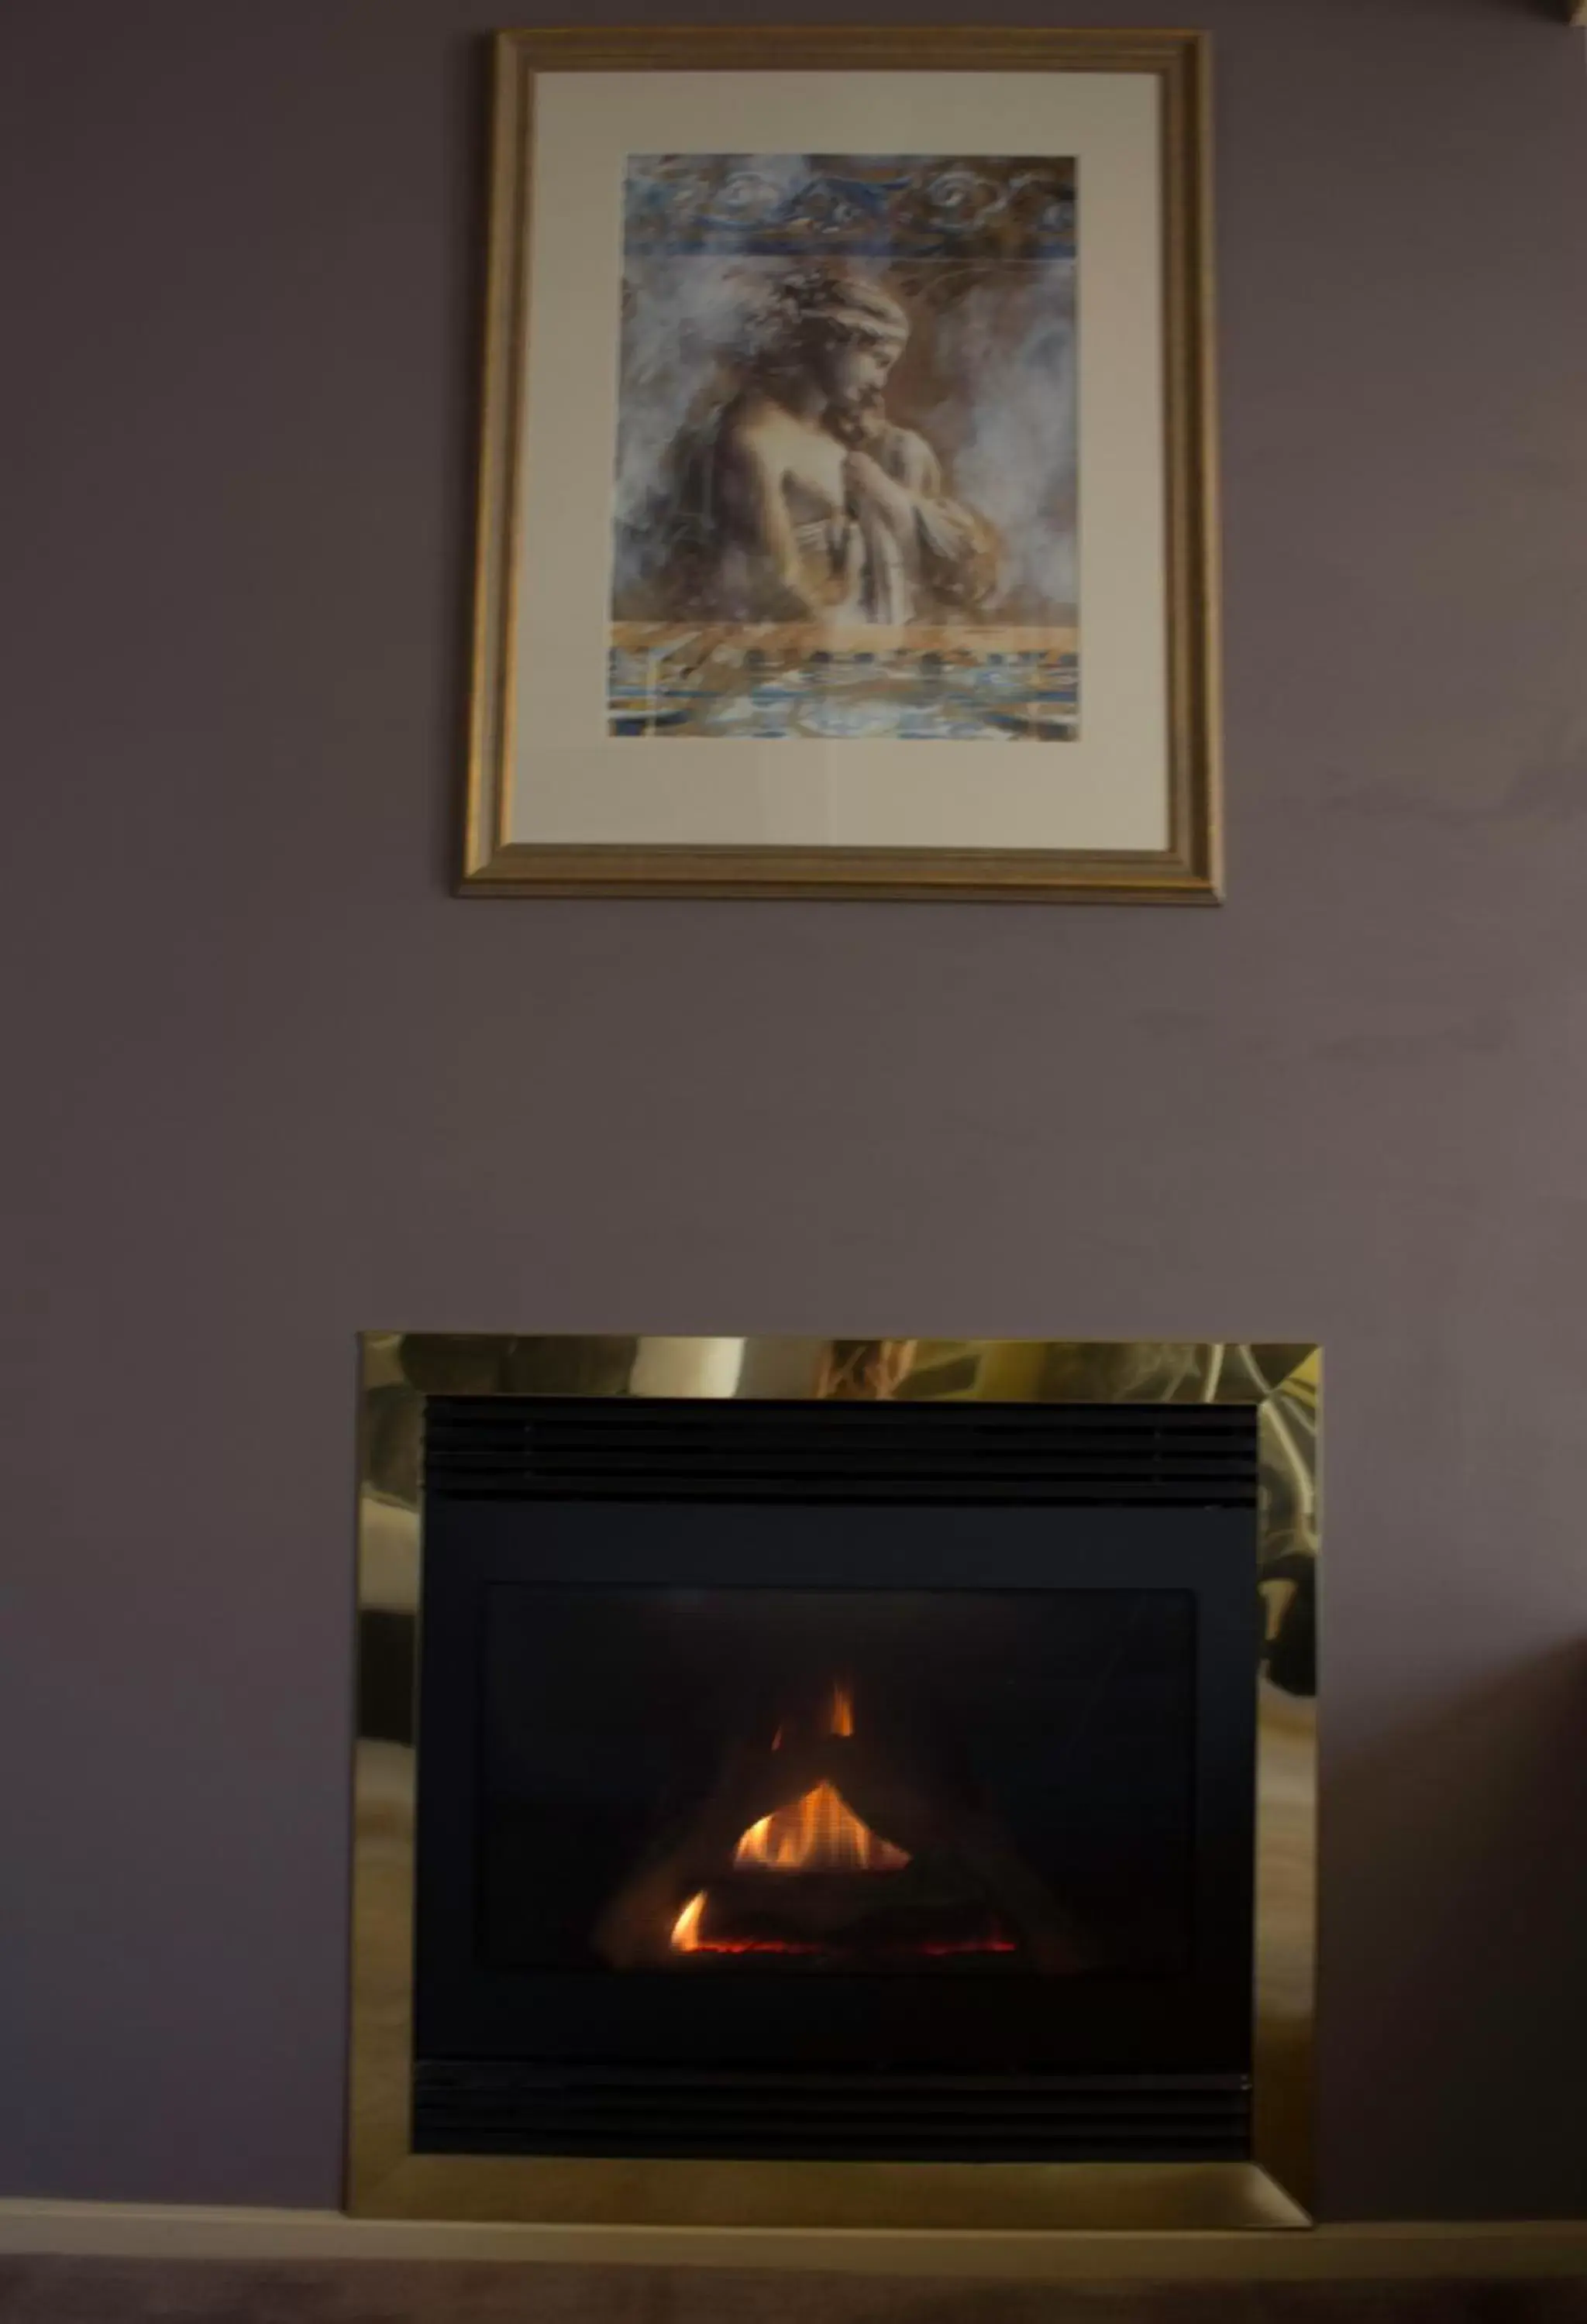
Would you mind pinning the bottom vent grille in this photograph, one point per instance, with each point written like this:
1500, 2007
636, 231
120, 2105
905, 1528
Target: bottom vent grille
475, 2107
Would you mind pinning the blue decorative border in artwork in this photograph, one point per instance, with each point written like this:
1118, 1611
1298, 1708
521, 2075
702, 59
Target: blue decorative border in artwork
799, 206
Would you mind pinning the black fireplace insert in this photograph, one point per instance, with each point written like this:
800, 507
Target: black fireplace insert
835, 1780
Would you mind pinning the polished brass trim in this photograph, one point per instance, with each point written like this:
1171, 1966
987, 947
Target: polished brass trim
1372, 2253
386, 2179
1188, 870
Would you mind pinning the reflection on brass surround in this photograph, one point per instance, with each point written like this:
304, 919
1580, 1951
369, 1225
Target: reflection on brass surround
385, 2177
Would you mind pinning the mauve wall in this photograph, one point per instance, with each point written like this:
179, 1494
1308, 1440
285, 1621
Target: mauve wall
275, 1083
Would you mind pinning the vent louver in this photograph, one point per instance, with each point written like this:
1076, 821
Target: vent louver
472, 2107
609, 1449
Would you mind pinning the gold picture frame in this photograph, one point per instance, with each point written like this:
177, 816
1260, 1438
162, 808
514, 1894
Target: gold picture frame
518, 838
700, 2209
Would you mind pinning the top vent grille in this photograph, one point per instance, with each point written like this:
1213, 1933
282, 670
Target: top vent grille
676, 1449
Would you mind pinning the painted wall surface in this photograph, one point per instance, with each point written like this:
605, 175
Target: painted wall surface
268, 1082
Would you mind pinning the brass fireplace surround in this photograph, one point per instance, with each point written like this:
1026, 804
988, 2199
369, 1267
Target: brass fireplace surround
385, 2177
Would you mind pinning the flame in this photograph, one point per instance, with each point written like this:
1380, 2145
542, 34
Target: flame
817, 1833
840, 1717
685, 1929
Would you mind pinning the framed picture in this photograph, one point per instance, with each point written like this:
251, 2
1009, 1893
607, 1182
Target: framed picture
846, 511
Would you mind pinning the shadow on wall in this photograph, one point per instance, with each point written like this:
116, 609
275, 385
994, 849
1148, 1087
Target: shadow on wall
1456, 1872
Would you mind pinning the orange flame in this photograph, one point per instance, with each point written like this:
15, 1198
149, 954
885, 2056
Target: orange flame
818, 1833
685, 1929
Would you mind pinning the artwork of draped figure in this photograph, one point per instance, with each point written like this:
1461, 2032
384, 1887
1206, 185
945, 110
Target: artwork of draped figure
800, 499
846, 448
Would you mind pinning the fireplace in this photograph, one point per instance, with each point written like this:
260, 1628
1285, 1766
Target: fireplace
849, 1778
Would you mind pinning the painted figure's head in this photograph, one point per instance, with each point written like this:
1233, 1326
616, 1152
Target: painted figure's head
846, 331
